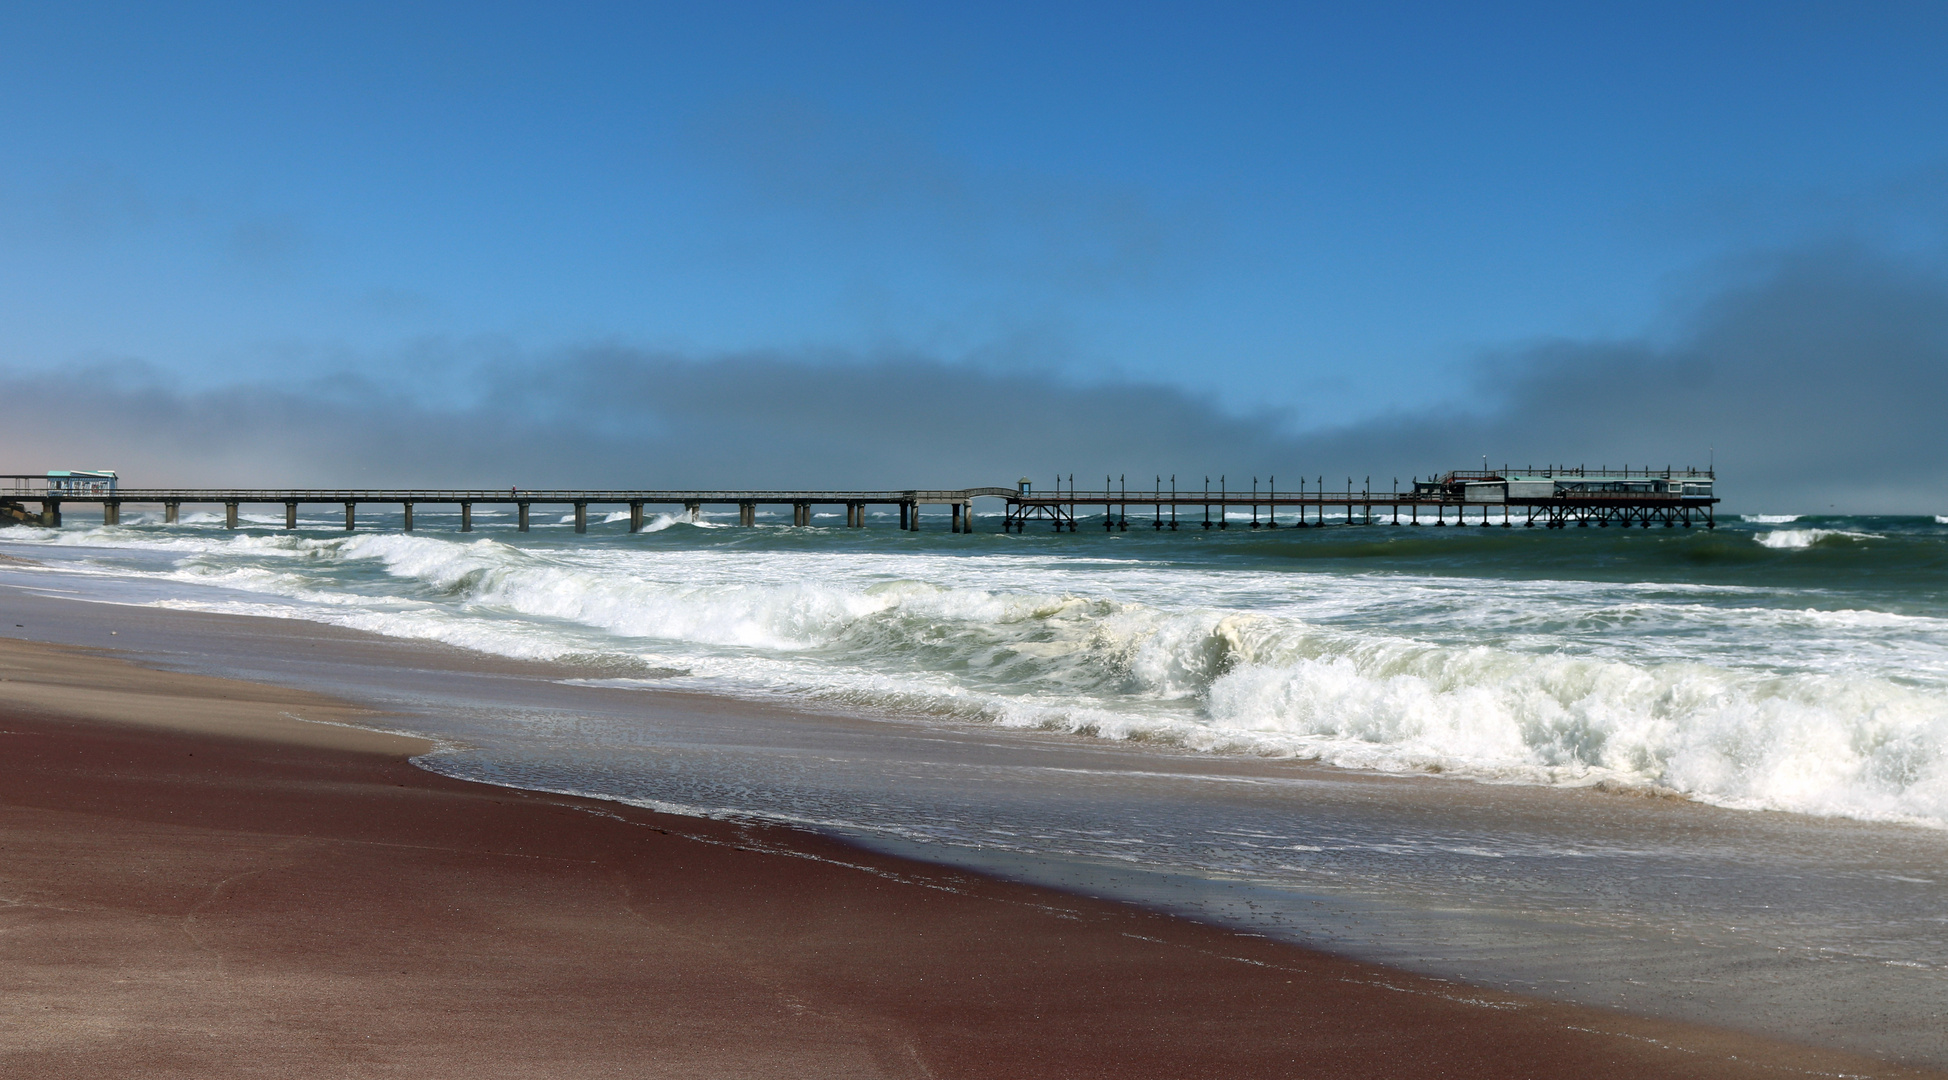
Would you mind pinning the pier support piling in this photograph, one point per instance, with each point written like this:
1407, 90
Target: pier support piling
635, 517
904, 526
747, 514
407, 513
111, 513
171, 511
230, 515
466, 517
581, 517
521, 513
290, 515
351, 516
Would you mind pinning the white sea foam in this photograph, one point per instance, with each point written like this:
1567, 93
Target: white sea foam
1702, 689
1772, 519
1805, 538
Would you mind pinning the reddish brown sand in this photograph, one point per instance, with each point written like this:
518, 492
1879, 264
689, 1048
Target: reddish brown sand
265, 897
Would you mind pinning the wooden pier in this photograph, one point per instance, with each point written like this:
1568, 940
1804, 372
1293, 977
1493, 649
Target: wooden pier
1552, 498
522, 500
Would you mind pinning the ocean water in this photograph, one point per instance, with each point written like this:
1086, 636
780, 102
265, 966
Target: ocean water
1780, 662
1552, 761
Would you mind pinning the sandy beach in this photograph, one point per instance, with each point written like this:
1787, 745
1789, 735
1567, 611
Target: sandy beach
206, 877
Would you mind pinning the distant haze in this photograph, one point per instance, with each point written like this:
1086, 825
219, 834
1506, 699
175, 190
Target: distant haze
1818, 378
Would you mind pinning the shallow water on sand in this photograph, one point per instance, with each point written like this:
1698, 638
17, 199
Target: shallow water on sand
1151, 716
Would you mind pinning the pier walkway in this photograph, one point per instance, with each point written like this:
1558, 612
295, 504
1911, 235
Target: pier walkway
1552, 498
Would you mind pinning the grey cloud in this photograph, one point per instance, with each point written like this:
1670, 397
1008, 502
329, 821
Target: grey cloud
1819, 377
620, 417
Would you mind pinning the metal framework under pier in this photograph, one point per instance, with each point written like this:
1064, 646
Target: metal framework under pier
1118, 513
1584, 497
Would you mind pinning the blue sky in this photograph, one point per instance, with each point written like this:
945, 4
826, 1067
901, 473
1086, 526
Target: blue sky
1312, 215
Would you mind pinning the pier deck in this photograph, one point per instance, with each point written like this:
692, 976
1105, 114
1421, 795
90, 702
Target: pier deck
1580, 497
172, 500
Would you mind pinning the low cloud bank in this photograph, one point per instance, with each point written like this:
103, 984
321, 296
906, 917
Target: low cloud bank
1819, 377
621, 417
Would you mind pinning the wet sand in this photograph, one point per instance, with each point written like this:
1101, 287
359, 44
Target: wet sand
200, 880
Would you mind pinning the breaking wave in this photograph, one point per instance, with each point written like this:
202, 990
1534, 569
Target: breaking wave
1546, 682
1805, 538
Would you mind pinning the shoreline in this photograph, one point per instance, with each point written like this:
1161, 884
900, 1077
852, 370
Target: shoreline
302, 894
